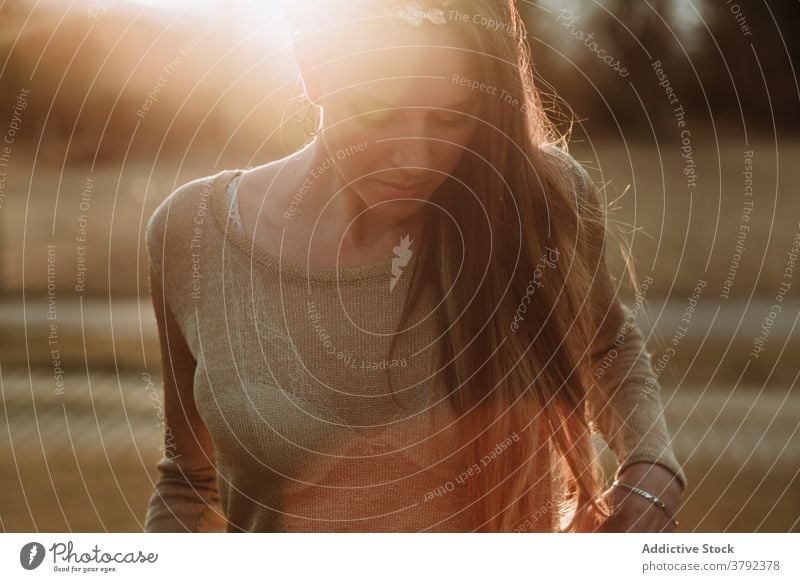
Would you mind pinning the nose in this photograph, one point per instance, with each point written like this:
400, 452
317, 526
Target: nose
412, 155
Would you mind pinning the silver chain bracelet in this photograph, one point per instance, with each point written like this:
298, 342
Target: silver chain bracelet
647, 495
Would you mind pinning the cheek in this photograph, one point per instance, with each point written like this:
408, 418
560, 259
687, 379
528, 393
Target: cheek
355, 152
359, 166
356, 166
452, 146
446, 157
340, 134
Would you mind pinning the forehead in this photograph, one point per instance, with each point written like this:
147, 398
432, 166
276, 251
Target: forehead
399, 63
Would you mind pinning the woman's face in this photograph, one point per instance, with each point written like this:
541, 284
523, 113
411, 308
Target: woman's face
397, 118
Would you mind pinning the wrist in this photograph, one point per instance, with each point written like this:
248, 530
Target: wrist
651, 498
654, 478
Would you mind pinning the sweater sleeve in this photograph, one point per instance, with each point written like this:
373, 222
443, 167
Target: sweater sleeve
625, 403
185, 499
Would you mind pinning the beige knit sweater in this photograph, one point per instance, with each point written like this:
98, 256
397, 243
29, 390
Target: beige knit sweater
291, 384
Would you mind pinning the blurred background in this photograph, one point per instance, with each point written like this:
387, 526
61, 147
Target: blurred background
685, 111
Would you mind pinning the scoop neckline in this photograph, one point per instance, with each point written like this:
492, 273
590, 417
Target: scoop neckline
267, 260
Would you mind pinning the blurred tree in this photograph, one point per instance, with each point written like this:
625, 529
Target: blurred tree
709, 57
734, 61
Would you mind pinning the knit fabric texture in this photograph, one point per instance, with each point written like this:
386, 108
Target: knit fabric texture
291, 383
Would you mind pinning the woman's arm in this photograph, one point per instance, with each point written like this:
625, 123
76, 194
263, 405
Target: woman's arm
625, 403
625, 400
185, 497
626, 406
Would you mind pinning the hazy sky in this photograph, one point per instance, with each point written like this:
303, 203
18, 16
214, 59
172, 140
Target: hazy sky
249, 17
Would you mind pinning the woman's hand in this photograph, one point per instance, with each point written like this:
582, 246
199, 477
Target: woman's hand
634, 513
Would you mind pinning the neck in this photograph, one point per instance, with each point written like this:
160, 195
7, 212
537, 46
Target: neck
347, 217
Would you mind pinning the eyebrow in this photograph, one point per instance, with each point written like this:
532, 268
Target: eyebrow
464, 102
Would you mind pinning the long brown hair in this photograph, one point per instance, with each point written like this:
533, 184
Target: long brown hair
516, 341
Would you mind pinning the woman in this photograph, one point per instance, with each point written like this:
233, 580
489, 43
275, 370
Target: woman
408, 324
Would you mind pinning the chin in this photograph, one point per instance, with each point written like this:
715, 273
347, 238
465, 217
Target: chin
395, 209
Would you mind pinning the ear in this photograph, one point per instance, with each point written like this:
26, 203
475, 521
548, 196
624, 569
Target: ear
310, 73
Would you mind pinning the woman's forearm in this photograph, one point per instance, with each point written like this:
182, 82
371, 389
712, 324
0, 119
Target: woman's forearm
625, 404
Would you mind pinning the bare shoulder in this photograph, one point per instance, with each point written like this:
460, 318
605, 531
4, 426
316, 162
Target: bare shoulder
265, 191
265, 176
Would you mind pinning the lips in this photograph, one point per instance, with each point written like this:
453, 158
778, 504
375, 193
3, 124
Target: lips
412, 187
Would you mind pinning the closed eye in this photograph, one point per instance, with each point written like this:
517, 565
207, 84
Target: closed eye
452, 119
371, 117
